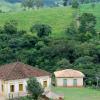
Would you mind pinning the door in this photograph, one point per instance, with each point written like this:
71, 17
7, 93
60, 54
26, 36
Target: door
75, 82
64, 82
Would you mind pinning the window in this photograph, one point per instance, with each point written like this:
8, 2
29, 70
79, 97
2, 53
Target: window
20, 87
2, 88
11, 88
75, 82
64, 82
44, 83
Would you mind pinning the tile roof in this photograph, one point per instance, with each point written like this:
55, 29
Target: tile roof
20, 70
70, 73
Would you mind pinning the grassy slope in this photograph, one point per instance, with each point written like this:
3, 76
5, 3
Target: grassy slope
58, 18
6, 7
78, 93
95, 11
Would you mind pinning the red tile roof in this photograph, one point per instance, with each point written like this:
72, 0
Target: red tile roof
69, 73
20, 70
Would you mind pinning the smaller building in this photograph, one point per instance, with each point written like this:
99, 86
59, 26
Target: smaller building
69, 78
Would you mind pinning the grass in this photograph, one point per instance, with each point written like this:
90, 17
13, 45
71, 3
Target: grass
78, 93
59, 18
8, 7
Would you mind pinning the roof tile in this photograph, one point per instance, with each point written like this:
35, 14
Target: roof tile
20, 70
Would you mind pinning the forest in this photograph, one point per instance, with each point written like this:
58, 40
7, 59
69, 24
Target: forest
34, 43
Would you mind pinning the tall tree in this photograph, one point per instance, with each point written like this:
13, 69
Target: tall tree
87, 25
35, 88
65, 2
28, 3
41, 29
75, 4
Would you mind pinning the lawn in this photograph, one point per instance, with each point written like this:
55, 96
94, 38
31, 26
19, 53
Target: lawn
58, 18
78, 93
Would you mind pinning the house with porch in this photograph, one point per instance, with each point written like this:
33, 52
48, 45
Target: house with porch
69, 78
14, 77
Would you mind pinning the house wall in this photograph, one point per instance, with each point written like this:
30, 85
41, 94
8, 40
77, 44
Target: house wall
0, 87
59, 82
16, 83
46, 78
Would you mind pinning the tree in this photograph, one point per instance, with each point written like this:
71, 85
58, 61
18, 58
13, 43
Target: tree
35, 88
75, 4
32, 3
86, 65
10, 27
87, 26
63, 64
28, 3
65, 2
41, 29
38, 3
71, 31
87, 23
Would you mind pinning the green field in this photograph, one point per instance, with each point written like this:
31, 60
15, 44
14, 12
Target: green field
59, 18
78, 93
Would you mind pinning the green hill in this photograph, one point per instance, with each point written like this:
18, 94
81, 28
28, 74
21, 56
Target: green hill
58, 18
6, 6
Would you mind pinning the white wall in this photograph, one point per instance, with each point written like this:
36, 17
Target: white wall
59, 82
24, 82
16, 85
45, 78
0, 87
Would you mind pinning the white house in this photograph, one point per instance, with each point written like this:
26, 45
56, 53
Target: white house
14, 77
69, 78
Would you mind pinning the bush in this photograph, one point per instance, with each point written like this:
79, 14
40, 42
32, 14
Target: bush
41, 29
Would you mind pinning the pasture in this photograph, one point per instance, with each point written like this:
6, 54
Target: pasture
58, 18
78, 93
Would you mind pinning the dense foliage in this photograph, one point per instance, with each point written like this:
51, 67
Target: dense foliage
34, 88
32, 3
75, 4
79, 49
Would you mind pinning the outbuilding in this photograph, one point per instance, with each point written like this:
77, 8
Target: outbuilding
69, 78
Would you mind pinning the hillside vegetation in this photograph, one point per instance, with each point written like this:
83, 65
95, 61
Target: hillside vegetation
58, 18
8, 7
53, 48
